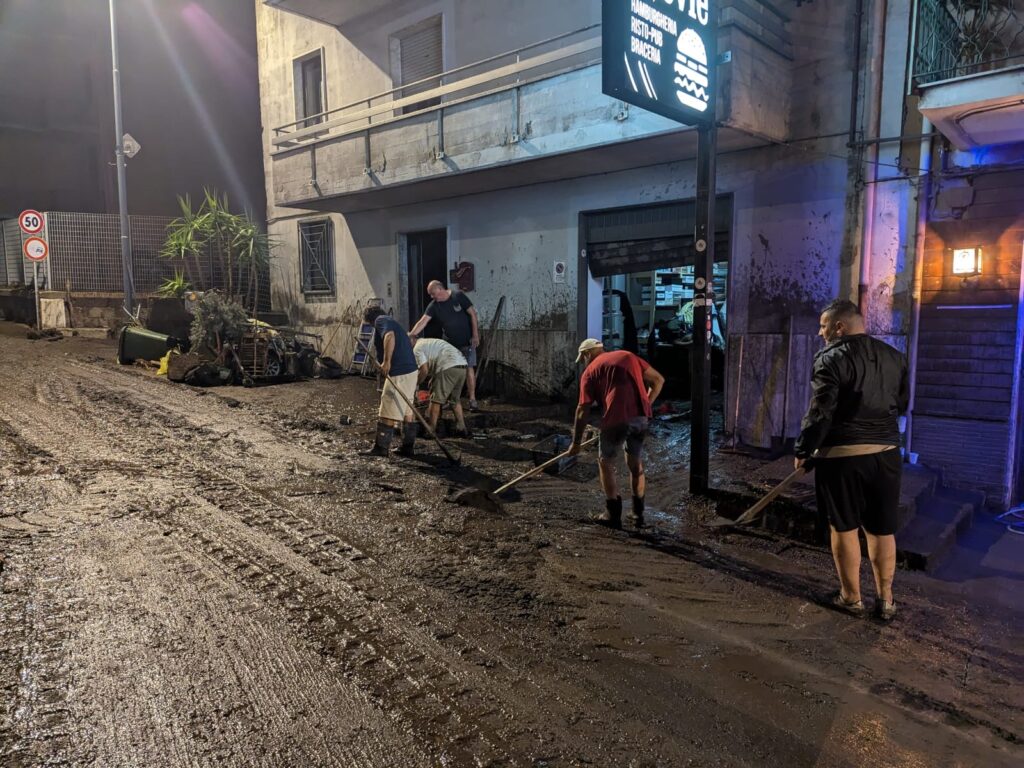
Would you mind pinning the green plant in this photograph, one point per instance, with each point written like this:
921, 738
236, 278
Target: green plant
174, 287
217, 320
238, 246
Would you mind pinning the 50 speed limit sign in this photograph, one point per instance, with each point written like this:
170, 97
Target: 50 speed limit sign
31, 222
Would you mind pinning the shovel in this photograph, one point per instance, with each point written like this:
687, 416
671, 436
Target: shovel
489, 502
409, 402
751, 514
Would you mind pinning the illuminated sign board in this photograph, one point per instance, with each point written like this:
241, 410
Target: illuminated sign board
660, 55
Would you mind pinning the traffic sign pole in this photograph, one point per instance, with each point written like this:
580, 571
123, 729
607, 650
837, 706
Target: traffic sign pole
35, 283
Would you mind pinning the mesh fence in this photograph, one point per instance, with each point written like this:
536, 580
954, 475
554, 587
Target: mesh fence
85, 256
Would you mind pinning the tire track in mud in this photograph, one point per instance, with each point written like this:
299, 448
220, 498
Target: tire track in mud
329, 584
538, 701
420, 686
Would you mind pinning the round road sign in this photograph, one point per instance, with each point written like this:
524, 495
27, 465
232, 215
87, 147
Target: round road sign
31, 222
36, 249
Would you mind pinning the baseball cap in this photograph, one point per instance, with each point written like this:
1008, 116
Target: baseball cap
587, 344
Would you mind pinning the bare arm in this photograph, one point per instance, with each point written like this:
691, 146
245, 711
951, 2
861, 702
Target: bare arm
389, 350
424, 373
654, 381
417, 329
474, 321
579, 427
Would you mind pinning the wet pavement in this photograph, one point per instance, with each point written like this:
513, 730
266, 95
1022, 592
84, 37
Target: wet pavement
214, 578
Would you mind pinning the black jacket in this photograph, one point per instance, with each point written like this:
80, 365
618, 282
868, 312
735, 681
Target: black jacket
859, 388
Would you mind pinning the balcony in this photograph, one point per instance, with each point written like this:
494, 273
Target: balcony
969, 69
528, 116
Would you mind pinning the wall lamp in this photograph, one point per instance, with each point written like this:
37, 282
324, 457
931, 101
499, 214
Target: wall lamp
967, 261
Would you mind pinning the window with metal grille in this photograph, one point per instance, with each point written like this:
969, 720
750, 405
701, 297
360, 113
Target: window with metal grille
316, 247
309, 88
417, 55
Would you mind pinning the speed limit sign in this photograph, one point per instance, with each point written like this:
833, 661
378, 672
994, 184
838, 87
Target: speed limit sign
31, 222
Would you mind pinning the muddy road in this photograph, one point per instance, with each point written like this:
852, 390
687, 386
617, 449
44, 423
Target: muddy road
213, 578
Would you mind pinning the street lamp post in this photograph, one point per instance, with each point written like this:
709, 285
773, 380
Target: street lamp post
122, 183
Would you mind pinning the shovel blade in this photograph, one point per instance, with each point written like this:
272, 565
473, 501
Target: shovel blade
478, 498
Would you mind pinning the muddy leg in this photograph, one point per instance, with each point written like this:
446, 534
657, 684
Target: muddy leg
637, 477
471, 384
882, 553
433, 414
846, 552
608, 484
460, 418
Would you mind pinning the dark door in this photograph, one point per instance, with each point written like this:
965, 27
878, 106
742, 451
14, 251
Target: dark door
428, 260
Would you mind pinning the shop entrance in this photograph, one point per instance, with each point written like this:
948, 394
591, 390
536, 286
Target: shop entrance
641, 260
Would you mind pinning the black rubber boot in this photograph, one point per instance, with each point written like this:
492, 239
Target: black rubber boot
638, 511
409, 431
381, 442
612, 515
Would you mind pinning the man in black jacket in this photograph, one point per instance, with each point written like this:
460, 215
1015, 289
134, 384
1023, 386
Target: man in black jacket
859, 388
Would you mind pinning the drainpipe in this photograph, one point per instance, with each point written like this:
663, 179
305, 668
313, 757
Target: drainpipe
871, 164
924, 189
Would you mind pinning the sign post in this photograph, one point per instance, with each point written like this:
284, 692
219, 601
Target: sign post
36, 250
660, 55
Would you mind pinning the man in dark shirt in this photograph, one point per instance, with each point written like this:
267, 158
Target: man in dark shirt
625, 386
394, 352
458, 319
859, 388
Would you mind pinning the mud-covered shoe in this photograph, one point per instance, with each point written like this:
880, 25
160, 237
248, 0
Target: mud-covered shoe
381, 441
637, 515
885, 610
853, 607
612, 515
474, 406
409, 432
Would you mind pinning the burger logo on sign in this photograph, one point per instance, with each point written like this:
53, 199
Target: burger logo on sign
692, 71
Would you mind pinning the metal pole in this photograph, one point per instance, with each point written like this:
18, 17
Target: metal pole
703, 297
35, 283
122, 183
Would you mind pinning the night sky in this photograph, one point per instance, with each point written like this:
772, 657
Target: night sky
190, 95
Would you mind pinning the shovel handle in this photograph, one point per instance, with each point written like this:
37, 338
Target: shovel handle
537, 470
409, 402
769, 497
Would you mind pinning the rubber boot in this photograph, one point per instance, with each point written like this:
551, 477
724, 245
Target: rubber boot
381, 442
409, 431
638, 511
612, 515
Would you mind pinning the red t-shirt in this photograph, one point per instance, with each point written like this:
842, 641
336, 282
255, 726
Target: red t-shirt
616, 380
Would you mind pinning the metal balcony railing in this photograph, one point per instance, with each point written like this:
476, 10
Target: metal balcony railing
954, 38
508, 71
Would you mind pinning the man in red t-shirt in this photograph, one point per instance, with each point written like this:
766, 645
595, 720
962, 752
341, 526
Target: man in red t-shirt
625, 386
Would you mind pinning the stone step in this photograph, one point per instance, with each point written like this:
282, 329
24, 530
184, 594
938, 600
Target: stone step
923, 542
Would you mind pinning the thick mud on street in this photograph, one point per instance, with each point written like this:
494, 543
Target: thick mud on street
214, 578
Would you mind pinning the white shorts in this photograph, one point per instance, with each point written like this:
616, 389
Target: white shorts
392, 406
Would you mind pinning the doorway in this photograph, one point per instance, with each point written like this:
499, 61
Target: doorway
642, 260
428, 260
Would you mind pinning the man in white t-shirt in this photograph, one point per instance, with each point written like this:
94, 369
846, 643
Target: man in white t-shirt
446, 367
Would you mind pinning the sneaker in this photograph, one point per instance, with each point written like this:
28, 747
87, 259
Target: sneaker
885, 610
853, 607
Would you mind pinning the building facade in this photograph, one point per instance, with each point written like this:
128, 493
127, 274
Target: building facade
470, 141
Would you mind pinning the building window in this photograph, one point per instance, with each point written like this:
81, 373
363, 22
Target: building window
416, 57
316, 248
309, 89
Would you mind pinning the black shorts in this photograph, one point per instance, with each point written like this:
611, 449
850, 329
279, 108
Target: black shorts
860, 491
631, 435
